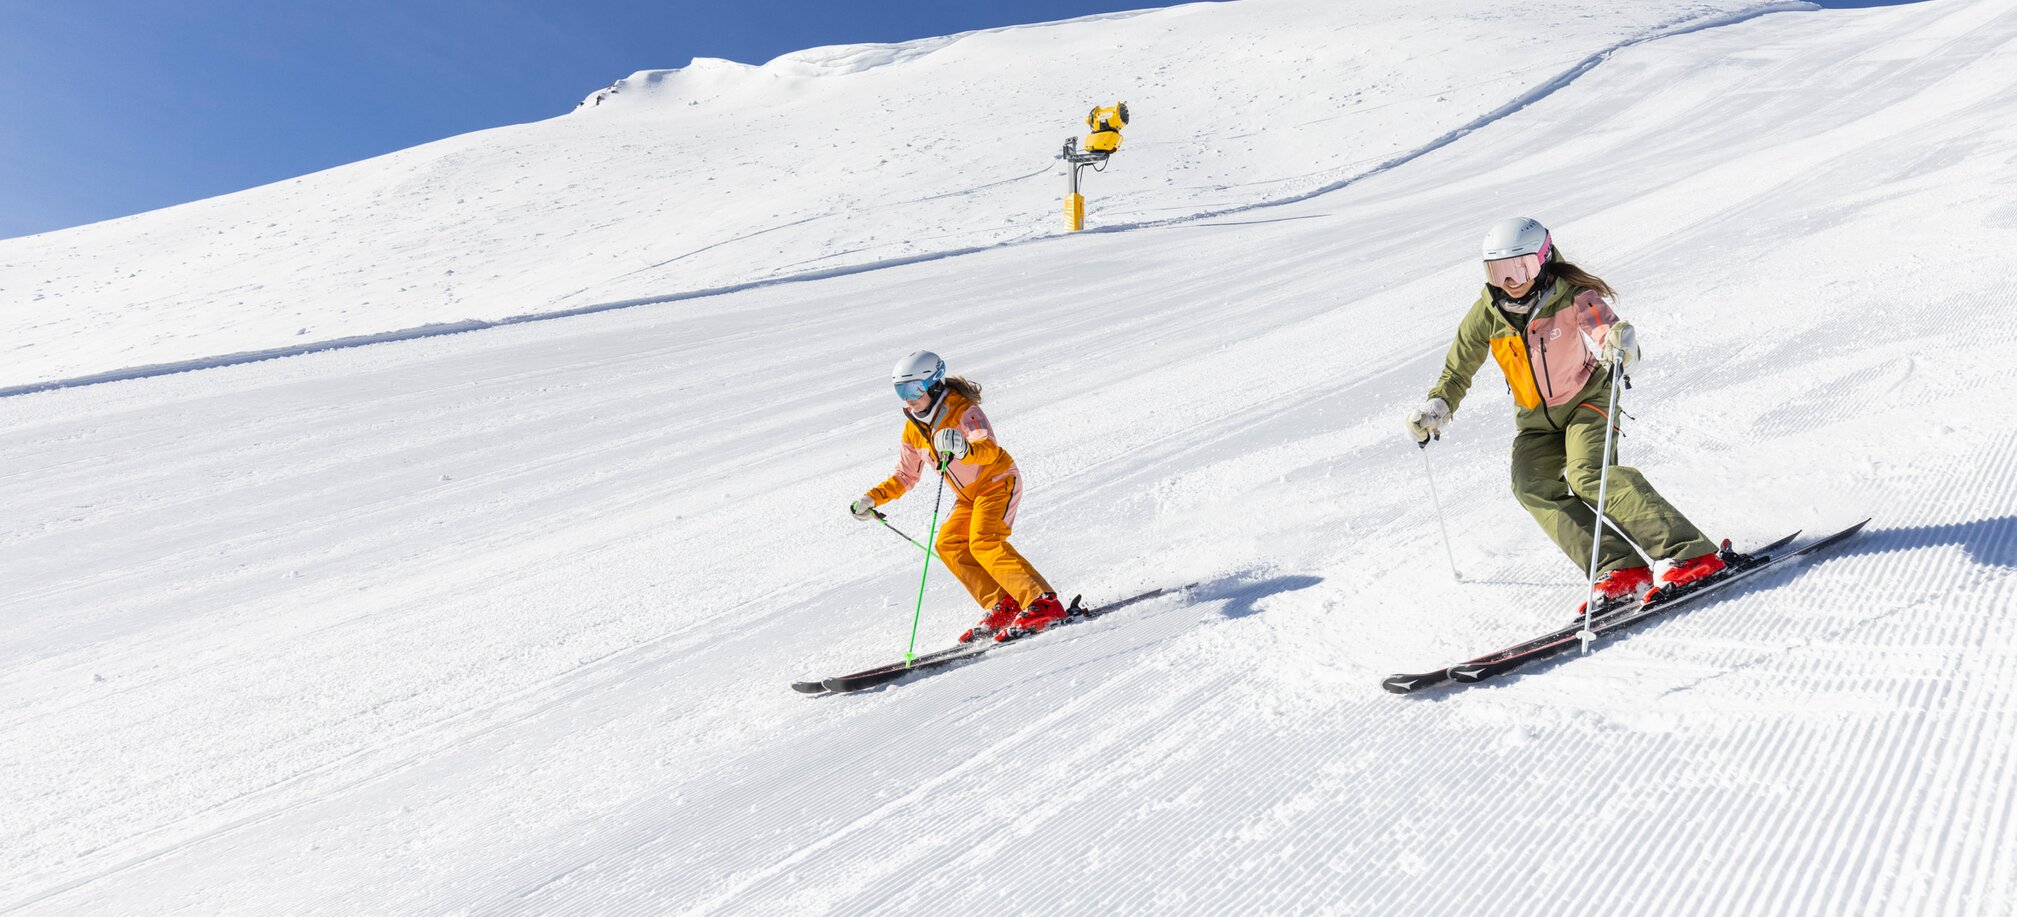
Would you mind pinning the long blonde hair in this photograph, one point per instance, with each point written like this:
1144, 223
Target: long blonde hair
1577, 277
966, 388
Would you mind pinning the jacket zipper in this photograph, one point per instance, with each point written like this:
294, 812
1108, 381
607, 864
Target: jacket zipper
942, 473
1545, 410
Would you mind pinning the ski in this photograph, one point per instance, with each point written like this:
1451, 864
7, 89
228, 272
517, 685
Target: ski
1408, 684
945, 656
963, 652
929, 660
1752, 565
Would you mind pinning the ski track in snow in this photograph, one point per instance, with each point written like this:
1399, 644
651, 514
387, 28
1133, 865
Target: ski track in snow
503, 622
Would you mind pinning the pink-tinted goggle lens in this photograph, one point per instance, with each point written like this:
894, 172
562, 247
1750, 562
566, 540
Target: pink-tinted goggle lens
1511, 272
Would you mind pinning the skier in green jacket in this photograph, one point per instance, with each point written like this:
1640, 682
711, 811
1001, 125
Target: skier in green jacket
1550, 327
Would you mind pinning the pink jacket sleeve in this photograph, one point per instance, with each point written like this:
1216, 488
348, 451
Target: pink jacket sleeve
980, 443
1594, 316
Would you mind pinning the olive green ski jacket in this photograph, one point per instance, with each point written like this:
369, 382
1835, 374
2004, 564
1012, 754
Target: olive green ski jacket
1550, 365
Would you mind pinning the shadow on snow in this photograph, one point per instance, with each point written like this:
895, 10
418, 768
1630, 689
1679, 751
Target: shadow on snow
1242, 593
1990, 542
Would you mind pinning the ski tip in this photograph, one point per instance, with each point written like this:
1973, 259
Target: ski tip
808, 687
1409, 684
1834, 539
1774, 546
843, 684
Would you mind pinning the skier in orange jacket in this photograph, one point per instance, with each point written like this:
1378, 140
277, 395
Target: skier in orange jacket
945, 429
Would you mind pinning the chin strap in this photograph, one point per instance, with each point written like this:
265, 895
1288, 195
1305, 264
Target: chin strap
930, 414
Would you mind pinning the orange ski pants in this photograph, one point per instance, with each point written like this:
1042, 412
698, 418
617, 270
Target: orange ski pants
973, 542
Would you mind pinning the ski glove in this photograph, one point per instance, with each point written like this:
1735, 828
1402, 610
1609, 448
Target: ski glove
950, 442
1620, 347
1427, 422
863, 509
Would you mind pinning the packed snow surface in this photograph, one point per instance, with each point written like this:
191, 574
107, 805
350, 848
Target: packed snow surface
503, 622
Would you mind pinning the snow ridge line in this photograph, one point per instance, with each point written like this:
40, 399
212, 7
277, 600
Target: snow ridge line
437, 329
1538, 93
440, 329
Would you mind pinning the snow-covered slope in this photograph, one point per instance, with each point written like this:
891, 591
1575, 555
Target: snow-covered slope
502, 622
721, 174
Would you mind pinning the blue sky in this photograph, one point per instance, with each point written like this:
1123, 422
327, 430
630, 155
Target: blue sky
114, 107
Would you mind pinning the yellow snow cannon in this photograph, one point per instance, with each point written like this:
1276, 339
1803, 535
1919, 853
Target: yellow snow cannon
1106, 123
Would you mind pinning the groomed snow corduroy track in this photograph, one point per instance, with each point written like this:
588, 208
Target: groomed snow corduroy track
503, 622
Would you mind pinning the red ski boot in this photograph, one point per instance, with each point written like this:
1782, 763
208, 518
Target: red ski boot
1620, 586
1042, 613
1002, 615
1684, 572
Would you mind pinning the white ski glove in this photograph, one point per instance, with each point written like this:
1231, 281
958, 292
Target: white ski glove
950, 441
1427, 422
1621, 346
863, 509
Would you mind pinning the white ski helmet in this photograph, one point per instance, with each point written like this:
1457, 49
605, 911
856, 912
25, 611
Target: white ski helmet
917, 374
1515, 237
1514, 251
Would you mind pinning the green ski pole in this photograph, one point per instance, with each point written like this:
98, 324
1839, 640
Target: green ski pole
910, 655
879, 517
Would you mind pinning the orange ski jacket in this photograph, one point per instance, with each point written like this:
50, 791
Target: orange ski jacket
986, 465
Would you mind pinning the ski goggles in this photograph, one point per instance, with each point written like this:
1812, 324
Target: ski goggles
913, 389
1512, 272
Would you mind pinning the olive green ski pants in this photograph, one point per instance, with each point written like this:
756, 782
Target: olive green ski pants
1555, 477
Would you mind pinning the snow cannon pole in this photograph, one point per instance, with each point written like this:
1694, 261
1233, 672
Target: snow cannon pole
1075, 203
879, 517
1437, 502
910, 655
1611, 425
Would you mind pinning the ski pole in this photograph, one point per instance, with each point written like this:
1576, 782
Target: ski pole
1597, 536
917, 616
1438, 502
879, 517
